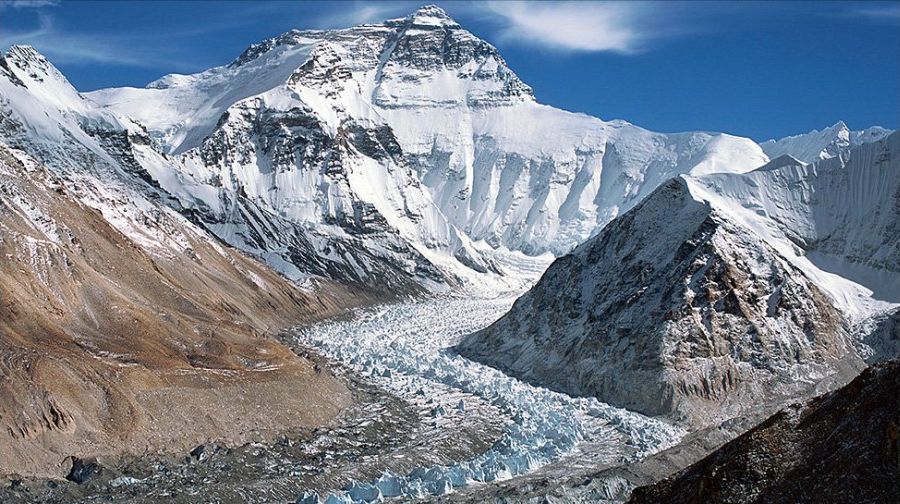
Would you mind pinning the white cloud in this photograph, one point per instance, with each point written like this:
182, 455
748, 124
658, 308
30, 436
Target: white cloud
27, 4
623, 27
889, 12
569, 25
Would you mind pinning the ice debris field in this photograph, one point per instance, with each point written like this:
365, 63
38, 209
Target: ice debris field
405, 349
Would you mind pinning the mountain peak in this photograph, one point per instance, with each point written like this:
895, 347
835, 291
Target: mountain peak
23, 50
840, 125
25, 56
26, 67
823, 144
839, 132
431, 15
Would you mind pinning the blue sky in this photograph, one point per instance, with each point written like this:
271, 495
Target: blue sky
757, 69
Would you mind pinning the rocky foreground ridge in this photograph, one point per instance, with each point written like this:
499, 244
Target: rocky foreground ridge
841, 447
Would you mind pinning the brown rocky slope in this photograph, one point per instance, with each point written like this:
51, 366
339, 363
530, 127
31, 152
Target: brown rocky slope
112, 346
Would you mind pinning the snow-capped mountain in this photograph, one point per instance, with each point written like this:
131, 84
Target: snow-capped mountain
399, 156
827, 143
718, 293
402, 148
110, 158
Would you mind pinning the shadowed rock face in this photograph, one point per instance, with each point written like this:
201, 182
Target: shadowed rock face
110, 345
840, 447
670, 310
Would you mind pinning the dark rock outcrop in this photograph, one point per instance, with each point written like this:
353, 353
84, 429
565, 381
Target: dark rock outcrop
840, 447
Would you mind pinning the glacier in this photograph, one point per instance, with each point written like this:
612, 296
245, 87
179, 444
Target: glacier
404, 348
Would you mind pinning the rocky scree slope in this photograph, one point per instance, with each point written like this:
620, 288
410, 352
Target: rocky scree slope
406, 148
124, 327
718, 293
841, 447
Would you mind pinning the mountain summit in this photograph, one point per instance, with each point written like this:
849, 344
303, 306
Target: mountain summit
431, 15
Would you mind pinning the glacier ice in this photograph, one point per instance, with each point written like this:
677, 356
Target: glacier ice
411, 341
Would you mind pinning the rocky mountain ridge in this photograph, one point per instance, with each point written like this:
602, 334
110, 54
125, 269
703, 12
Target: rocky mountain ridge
817, 145
114, 342
125, 326
718, 291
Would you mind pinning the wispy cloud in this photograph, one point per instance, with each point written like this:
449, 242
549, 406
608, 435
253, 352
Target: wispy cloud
27, 4
887, 12
66, 44
615, 26
579, 26
66, 47
356, 13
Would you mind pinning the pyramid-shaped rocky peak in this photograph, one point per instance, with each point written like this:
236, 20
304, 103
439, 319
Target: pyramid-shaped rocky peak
431, 15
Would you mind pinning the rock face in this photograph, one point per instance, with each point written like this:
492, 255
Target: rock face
669, 310
841, 447
717, 293
880, 337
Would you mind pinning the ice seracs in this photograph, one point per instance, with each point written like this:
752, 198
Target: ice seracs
402, 347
